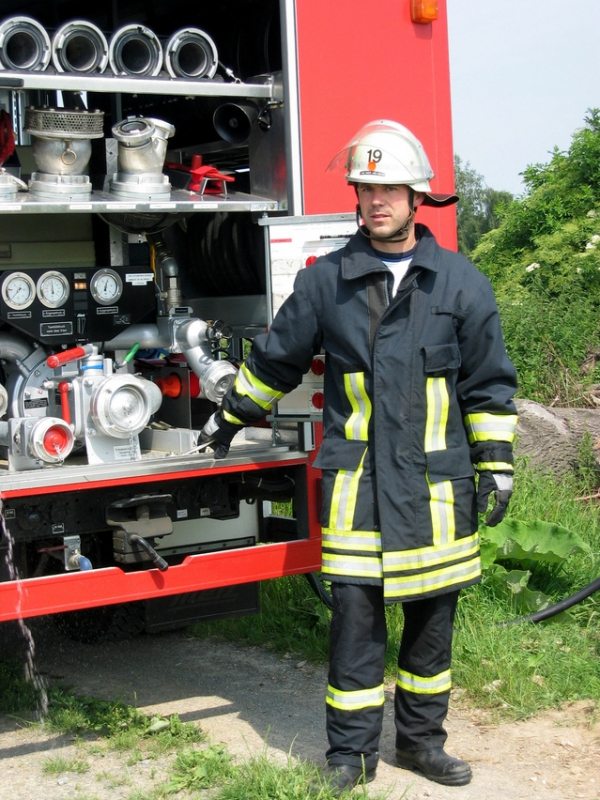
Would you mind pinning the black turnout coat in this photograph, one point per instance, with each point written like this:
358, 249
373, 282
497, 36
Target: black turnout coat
418, 395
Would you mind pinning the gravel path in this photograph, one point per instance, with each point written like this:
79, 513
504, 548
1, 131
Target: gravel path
251, 699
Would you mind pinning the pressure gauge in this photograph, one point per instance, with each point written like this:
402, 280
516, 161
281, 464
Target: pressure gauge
106, 287
18, 291
53, 289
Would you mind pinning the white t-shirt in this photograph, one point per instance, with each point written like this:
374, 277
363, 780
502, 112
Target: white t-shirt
397, 263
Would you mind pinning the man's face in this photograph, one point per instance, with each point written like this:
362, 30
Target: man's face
384, 208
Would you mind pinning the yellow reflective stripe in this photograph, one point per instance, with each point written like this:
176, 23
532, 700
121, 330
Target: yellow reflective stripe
355, 700
351, 540
495, 466
351, 566
230, 418
399, 587
357, 425
437, 684
424, 558
441, 505
343, 499
250, 386
491, 427
441, 502
438, 404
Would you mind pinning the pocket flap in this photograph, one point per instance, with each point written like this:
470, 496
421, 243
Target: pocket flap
441, 357
340, 454
450, 464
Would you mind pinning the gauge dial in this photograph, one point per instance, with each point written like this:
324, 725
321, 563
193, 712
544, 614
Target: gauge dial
106, 287
53, 289
18, 291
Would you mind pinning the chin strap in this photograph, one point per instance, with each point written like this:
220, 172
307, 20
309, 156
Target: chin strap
401, 234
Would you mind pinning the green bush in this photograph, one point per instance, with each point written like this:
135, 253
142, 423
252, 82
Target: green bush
544, 263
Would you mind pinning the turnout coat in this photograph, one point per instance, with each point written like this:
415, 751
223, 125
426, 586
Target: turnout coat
418, 396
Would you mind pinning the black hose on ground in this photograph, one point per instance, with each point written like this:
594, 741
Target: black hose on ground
563, 605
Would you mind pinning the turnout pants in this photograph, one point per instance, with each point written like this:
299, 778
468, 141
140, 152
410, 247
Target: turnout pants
355, 695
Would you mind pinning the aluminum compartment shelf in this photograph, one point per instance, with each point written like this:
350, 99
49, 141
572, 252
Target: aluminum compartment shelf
105, 203
51, 80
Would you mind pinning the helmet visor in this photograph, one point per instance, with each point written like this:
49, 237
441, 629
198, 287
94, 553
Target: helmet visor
342, 159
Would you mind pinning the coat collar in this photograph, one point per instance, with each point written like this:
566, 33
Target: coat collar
358, 258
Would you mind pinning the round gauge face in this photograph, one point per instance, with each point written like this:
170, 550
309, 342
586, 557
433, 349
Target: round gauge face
53, 289
18, 290
106, 287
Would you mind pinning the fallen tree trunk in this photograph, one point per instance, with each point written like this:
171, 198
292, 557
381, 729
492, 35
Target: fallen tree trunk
552, 438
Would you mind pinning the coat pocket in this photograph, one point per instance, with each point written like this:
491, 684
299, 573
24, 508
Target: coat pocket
440, 358
340, 454
450, 464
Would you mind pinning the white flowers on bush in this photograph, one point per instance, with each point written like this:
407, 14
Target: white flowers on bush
591, 245
531, 267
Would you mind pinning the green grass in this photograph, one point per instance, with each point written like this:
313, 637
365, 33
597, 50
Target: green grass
292, 620
57, 765
256, 778
17, 694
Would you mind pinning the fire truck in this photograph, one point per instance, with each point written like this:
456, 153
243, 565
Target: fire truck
164, 177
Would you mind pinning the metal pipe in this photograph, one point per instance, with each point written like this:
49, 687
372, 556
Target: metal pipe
191, 53
80, 47
14, 349
24, 44
135, 50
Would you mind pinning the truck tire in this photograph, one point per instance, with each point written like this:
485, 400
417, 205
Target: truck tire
104, 624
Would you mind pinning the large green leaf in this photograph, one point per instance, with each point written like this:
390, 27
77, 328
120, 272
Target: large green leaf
535, 540
525, 601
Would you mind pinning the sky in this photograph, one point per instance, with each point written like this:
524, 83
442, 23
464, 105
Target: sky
523, 74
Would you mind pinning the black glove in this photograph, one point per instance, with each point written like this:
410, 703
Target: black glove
501, 483
218, 433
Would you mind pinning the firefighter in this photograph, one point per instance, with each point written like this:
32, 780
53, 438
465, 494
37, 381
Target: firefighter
418, 428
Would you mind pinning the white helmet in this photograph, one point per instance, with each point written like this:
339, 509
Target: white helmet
386, 152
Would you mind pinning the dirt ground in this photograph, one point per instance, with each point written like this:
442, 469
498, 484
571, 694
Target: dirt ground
255, 702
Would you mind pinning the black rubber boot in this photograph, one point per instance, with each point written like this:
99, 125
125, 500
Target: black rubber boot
436, 765
341, 778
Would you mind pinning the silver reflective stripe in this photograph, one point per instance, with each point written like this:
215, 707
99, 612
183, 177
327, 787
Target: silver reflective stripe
354, 701
248, 384
484, 427
438, 403
437, 684
343, 499
427, 557
351, 566
357, 426
432, 581
351, 540
441, 504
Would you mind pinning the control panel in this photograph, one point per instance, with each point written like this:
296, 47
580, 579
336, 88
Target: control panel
61, 306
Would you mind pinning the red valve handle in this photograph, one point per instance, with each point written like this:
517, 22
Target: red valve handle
58, 359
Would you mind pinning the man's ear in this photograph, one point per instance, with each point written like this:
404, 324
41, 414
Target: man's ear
419, 196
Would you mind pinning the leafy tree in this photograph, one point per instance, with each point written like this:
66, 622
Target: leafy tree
479, 206
544, 263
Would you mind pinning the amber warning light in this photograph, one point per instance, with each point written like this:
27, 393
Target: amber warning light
423, 10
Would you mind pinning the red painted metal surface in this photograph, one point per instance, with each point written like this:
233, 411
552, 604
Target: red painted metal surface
358, 62
56, 593
132, 480
75, 590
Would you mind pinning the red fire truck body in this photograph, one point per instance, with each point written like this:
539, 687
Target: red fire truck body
168, 179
